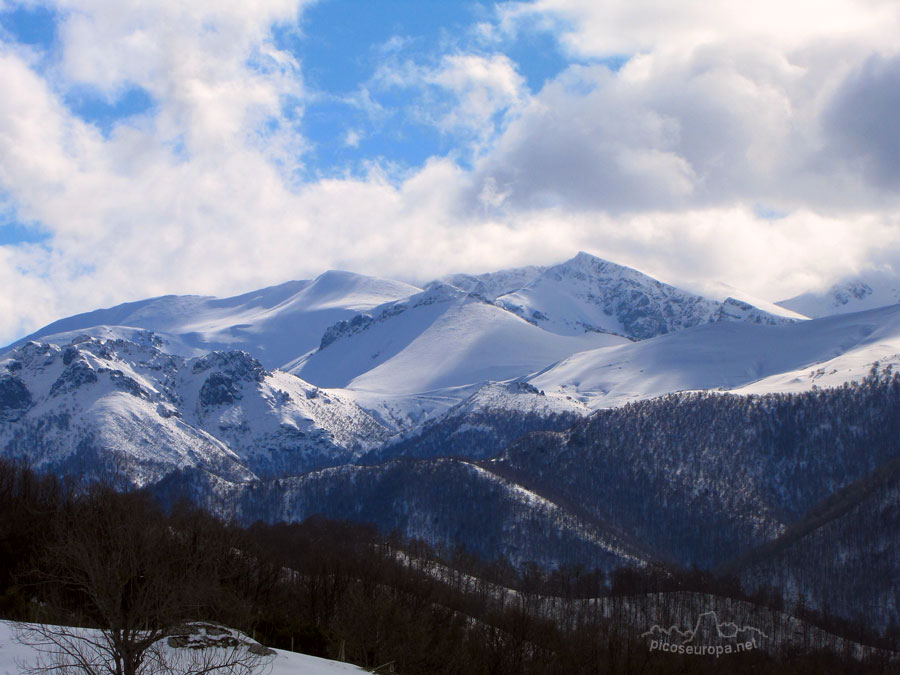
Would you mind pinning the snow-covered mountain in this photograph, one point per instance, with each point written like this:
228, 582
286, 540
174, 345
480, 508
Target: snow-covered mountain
587, 333
587, 294
424, 364
875, 288
108, 408
275, 324
457, 335
440, 338
745, 357
104, 395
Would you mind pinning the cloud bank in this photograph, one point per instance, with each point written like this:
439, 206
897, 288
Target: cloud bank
754, 145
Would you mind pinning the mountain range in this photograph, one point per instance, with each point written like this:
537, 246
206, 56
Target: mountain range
581, 413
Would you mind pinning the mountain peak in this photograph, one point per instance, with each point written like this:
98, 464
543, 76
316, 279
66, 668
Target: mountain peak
591, 264
583, 258
589, 294
276, 324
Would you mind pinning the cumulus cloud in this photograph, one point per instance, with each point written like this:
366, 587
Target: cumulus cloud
483, 85
192, 180
573, 147
719, 119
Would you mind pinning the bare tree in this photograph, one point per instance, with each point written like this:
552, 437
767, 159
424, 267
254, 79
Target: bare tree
123, 581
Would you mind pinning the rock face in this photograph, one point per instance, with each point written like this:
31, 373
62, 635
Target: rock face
204, 635
119, 407
14, 395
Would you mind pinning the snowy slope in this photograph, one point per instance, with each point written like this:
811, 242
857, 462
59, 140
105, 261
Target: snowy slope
13, 655
115, 406
590, 294
880, 349
275, 324
876, 288
438, 339
730, 356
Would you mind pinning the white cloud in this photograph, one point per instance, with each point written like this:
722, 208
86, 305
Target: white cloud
483, 85
210, 66
352, 138
464, 95
194, 181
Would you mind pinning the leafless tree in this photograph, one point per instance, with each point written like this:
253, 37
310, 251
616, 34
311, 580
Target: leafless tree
123, 581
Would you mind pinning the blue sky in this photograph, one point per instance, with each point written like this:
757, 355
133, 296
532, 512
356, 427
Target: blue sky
341, 45
212, 147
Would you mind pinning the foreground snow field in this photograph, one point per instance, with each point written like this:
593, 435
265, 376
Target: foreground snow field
14, 654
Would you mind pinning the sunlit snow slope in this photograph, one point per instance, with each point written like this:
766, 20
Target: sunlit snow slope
440, 338
275, 324
746, 357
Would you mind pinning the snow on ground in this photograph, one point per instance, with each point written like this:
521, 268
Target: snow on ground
291, 663
519, 397
13, 654
716, 290
400, 412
